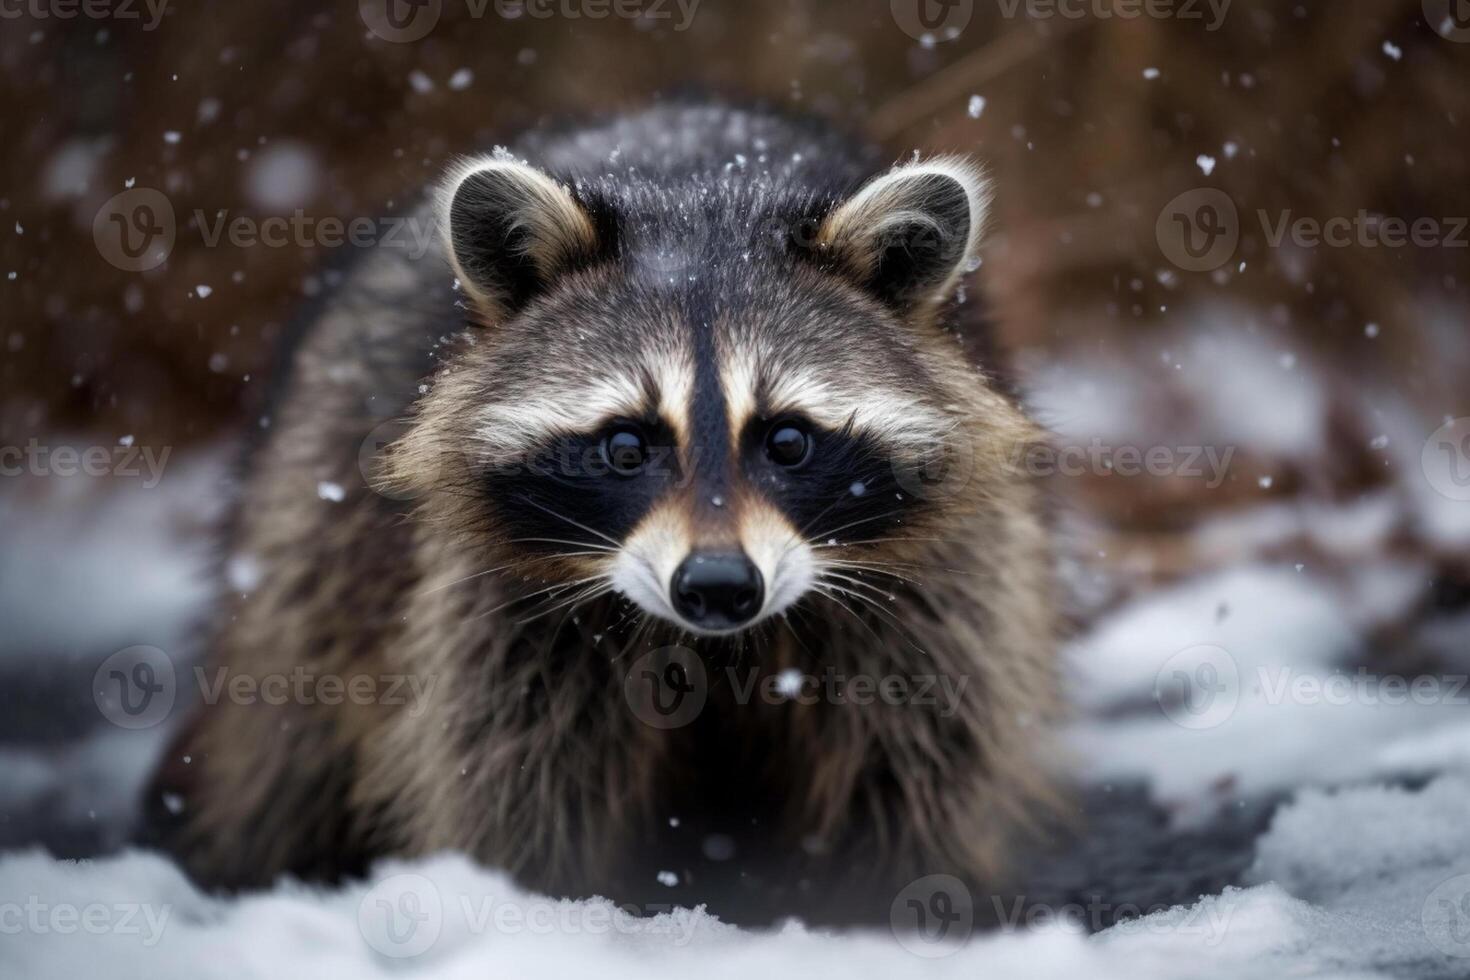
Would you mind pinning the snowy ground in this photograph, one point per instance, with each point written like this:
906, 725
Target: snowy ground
1272, 748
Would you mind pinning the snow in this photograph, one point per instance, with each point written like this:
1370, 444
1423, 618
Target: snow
283, 176
1248, 680
1263, 408
1334, 896
107, 545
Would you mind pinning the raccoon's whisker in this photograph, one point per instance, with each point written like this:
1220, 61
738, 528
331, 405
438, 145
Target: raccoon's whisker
856, 582
501, 568
888, 540
575, 544
835, 599
556, 589
876, 566
786, 621
877, 593
591, 592
864, 520
577, 524
859, 566
886, 614
641, 630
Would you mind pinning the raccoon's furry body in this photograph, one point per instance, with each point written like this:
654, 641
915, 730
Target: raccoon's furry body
703, 256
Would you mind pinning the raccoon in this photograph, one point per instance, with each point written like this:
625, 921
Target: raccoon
695, 544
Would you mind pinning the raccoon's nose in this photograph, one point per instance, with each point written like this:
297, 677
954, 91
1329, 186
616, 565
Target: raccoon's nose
717, 590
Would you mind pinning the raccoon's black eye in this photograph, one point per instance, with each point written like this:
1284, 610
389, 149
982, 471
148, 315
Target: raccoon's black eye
625, 450
788, 444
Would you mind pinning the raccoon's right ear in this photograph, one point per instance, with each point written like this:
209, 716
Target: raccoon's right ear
907, 236
510, 230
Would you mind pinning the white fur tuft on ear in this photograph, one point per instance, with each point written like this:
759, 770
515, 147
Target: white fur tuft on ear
509, 228
909, 235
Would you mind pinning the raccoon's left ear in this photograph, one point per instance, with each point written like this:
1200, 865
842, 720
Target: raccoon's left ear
908, 235
510, 230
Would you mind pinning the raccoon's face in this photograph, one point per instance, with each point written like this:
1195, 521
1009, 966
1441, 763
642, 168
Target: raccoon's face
710, 424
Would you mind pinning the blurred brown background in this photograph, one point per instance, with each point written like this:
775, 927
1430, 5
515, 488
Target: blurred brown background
1090, 126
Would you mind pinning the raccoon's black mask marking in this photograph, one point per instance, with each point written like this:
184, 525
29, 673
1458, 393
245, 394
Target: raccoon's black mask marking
568, 481
846, 491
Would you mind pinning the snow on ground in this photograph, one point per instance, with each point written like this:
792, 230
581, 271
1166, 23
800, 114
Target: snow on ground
1251, 672
1339, 897
89, 560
